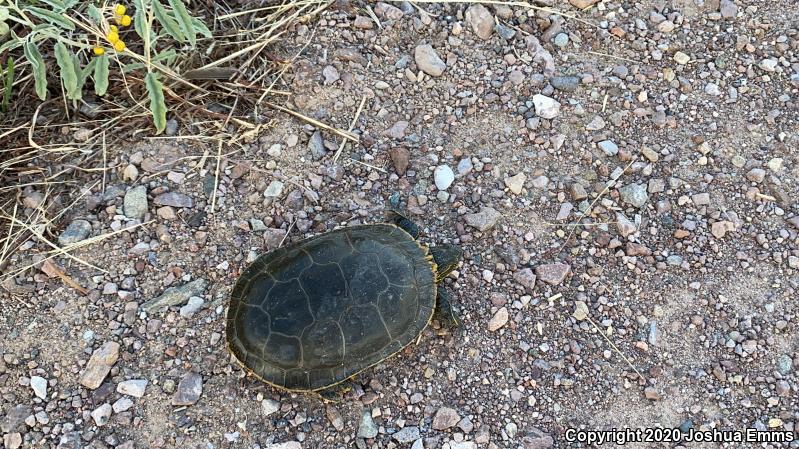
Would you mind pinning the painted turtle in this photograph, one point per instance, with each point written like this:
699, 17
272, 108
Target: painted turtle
310, 315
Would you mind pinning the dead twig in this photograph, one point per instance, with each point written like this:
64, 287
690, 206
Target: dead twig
352, 125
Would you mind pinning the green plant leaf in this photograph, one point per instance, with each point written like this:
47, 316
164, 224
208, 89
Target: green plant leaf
64, 59
101, 75
70, 3
13, 43
58, 5
3, 28
184, 20
84, 72
51, 17
201, 28
46, 28
157, 105
95, 14
170, 25
39, 70
8, 85
138, 17
3, 13
77, 93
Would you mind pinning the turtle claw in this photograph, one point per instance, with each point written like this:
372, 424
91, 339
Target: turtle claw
334, 394
444, 311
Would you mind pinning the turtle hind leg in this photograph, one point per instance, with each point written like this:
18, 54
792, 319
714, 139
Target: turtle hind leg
394, 217
335, 393
446, 257
444, 311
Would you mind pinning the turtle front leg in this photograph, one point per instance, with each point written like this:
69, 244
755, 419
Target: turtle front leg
444, 311
335, 394
403, 222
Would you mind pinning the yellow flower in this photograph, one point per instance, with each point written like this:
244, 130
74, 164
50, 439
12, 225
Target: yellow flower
98, 51
120, 10
114, 28
119, 46
112, 37
125, 21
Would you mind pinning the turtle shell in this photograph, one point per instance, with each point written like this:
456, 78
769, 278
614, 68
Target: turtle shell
313, 313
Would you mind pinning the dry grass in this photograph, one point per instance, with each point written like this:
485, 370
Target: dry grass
241, 69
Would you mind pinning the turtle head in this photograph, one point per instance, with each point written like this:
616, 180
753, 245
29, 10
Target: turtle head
446, 257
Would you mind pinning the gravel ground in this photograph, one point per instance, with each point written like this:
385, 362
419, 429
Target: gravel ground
670, 131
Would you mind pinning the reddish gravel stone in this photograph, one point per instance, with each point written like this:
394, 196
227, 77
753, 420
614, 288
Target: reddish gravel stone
554, 273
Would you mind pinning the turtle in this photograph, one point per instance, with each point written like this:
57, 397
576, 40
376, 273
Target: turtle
310, 315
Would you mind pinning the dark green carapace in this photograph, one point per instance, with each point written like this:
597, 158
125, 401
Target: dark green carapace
309, 315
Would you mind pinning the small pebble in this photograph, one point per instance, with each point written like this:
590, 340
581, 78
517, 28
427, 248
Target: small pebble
428, 60
367, 428
77, 231
445, 418
546, 107
634, 194
135, 202
99, 365
133, 388
553, 274
189, 390
102, 414
39, 386
443, 176
499, 320
608, 147
194, 304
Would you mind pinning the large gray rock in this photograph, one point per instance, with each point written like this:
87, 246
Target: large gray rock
443, 177
634, 194
367, 428
546, 107
609, 147
526, 278
70, 441
102, 414
624, 225
553, 273
483, 220
565, 83
428, 60
176, 295
445, 418
135, 202
728, 9
387, 11
407, 435
189, 390
481, 20
133, 387
316, 146
39, 386
75, 232
174, 199
99, 365
285, 445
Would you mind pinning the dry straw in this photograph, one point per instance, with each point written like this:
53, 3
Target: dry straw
28, 161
